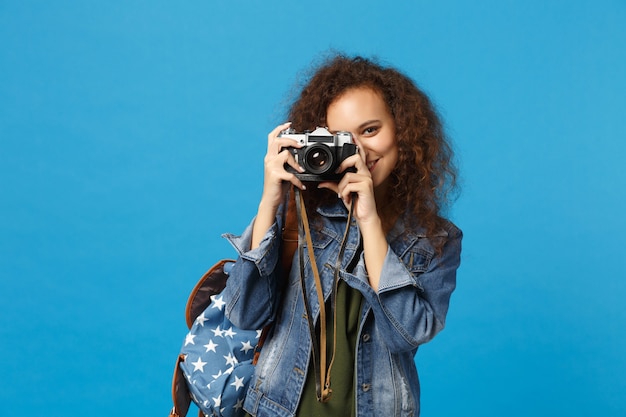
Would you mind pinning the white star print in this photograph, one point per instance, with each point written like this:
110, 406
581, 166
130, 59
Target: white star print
230, 332
258, 333
217, 302
239, 404
246, 347
219, 374
218, 332
238, 383
211, 346
189, 339
217, 401
198, 365
230, 359
200, 319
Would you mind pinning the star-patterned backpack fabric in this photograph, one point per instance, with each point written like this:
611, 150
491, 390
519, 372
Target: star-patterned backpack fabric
218, 361
215, 363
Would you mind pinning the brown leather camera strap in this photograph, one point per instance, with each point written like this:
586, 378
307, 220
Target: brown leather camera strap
319, 349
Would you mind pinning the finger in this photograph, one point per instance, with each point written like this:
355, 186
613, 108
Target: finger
279, 144
354, 177
333, 186
274, 133
278, 174
291, 161
277, 169
292, 178
361, 150
358, 187
355, 183
297, 183
355, 161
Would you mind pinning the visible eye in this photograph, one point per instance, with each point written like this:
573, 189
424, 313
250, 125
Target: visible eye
370, 130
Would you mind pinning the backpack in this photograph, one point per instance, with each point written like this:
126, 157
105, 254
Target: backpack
216, 360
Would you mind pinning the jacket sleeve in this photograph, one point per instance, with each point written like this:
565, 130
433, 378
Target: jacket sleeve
251, 290
410, 307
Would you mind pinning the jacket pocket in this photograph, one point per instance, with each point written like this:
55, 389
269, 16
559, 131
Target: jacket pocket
417, 259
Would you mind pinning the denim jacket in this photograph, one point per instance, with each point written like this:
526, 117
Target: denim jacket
409, 309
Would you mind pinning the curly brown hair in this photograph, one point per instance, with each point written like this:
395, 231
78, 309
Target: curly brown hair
425, 175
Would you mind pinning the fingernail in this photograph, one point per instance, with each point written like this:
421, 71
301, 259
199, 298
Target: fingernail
303, 187
300, 168
338, 195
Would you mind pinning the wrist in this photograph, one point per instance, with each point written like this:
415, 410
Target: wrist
371, 227
267, 206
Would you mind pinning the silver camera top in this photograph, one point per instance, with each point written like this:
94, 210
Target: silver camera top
319, 135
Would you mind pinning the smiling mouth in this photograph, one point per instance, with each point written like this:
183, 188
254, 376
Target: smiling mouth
371, 165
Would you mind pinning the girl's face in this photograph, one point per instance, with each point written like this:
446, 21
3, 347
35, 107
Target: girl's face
362, 112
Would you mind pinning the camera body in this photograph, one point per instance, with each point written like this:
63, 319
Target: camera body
321, 154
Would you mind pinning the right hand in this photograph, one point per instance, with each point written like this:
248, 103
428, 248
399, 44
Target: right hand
276, 181
275, 174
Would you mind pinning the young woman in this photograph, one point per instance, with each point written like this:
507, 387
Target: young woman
399, 266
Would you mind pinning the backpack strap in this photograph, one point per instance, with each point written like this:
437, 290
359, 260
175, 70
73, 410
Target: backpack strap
212, 282
180, 392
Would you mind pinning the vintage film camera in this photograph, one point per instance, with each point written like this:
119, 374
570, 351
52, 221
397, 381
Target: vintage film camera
321, 154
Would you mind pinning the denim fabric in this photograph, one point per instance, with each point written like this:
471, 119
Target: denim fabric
408, 310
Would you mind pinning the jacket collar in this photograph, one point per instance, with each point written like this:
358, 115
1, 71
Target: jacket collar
337, 210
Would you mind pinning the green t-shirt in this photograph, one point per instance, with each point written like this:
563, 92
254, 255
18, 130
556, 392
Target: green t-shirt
342, 400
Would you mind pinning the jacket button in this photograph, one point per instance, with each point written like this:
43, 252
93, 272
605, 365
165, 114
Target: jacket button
366, 337
366, 387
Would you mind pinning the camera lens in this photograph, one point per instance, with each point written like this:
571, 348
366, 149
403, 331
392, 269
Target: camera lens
318, 159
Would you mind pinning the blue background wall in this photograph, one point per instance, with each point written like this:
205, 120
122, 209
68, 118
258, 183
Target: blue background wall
132, 136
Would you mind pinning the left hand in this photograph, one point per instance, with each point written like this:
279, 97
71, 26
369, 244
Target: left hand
357, 185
